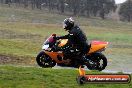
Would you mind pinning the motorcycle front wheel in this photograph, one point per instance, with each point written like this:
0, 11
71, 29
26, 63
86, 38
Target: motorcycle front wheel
44, 60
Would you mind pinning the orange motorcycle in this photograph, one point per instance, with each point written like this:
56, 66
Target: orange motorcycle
52, 54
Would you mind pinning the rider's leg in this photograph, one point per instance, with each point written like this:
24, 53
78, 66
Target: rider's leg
84, 50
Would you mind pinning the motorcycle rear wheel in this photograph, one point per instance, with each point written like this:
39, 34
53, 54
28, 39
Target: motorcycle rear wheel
44, 60
97, 58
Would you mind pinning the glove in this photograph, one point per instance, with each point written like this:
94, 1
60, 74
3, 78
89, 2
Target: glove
56, 38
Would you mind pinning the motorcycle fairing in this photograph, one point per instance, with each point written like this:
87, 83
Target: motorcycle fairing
54, 55
97, 45
63, 42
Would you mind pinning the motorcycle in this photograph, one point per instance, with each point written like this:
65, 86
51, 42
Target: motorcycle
52, 54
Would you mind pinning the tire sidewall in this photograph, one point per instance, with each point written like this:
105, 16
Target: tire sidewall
100, 55
40, 63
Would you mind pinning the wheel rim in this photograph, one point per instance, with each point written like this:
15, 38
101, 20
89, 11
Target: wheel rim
98, 62
45, 61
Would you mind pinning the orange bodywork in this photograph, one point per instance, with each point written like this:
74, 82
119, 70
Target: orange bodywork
54, 55
97, 45
63, 42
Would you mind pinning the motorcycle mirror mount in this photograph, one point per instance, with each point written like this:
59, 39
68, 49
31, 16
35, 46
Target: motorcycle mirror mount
53, 34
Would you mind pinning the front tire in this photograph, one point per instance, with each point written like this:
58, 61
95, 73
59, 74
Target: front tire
44, 60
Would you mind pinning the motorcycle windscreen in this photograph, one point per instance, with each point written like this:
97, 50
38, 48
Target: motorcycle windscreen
45, 47
49, 41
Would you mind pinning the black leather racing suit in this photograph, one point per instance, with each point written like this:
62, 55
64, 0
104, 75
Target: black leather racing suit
77, 39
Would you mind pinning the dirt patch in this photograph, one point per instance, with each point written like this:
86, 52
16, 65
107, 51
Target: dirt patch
17, 60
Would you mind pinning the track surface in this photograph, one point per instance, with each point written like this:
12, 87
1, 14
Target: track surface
29, 62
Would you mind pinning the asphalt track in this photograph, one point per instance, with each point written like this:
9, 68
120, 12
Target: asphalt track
106, 71
59, 67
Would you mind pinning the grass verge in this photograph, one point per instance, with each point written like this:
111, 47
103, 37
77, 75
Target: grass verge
30, 77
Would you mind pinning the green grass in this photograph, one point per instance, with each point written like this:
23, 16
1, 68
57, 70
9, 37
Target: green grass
22, 33
32, 77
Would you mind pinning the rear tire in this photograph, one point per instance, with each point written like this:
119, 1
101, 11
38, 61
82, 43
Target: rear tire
44, 60
96, 58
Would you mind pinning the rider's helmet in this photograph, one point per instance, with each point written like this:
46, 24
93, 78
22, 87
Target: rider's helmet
68, 23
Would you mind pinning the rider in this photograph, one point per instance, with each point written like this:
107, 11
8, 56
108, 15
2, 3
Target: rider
76, 36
